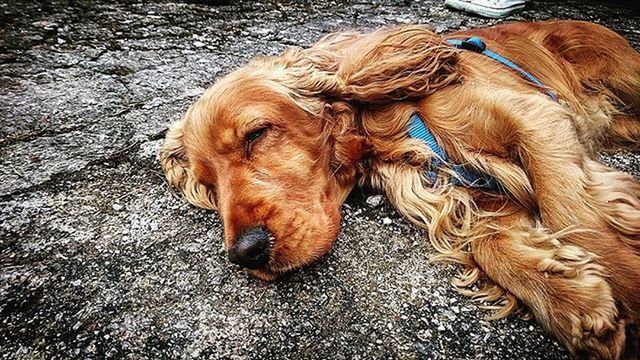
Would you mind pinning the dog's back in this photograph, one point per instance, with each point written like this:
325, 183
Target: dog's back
588, 59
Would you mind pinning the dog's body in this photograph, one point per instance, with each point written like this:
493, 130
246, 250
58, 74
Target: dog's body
277, 146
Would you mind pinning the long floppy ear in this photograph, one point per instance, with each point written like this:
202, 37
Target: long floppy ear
175, 165
390, 64
396, 64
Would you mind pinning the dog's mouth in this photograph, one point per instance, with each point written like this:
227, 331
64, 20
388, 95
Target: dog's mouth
287, 245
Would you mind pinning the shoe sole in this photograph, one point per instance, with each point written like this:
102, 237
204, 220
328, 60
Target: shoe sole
482, 10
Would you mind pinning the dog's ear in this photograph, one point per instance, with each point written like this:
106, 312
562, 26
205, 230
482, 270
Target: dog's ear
176, 167
396, 64
349, 147
388, 65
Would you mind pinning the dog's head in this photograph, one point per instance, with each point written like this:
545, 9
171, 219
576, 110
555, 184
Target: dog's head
276, 146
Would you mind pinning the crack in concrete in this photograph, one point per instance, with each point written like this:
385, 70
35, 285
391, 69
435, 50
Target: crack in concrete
45, 132
120, 156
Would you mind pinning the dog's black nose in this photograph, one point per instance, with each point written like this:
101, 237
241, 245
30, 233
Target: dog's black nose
252, 249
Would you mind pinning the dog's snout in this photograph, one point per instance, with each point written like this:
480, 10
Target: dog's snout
252, 249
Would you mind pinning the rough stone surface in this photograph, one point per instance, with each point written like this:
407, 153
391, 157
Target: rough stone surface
99, 259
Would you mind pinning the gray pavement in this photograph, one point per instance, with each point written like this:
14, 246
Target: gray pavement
98, 259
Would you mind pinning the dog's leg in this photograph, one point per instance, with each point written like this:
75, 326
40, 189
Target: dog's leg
560, 283
558, 166
618, 195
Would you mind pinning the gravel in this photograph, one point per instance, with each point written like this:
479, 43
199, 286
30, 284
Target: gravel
98, 259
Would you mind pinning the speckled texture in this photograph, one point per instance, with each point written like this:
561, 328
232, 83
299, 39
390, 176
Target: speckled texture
98, 259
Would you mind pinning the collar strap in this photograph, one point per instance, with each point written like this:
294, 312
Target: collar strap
476, 44
418, 129
468, 178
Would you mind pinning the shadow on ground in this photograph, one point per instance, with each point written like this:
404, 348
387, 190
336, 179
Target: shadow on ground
98, 259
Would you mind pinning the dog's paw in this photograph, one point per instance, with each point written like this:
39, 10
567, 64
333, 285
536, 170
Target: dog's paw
600, 342
582, 310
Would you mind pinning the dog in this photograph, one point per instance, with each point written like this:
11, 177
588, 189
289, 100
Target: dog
276, 146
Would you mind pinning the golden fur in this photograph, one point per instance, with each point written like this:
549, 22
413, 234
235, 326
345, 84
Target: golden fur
563, 242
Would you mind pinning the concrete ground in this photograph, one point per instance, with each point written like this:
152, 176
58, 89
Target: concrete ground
98, 259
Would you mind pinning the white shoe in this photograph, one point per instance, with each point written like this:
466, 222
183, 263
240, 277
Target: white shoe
487, 8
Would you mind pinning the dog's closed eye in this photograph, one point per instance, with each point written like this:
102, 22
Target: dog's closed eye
252, 137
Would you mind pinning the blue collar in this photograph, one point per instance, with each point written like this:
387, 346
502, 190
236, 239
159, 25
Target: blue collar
468, 178
476, 44
418, 129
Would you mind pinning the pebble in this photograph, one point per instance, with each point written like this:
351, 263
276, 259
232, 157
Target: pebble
374, 200
117, 207
386, 221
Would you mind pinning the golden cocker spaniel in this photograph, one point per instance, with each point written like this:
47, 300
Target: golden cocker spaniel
276, 146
